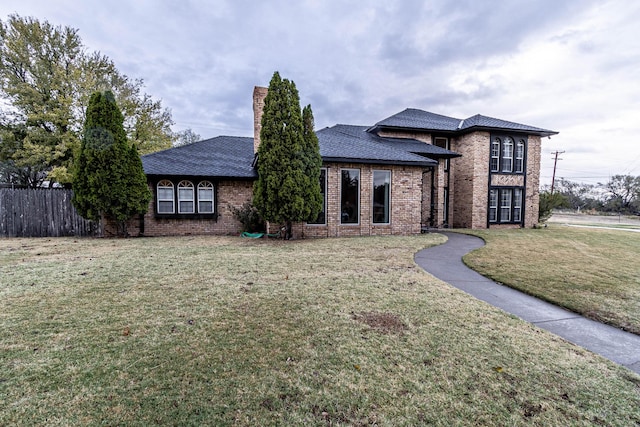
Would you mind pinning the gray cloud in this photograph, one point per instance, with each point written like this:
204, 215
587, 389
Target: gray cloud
569, 66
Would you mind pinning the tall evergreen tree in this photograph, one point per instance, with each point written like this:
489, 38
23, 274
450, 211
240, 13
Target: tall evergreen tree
312, 164
287, 188
108, 180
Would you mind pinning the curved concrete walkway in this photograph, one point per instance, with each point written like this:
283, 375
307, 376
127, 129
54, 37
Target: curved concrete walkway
445, 263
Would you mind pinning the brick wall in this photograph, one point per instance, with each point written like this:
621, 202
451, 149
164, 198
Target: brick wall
406, 201
229, 193
441, 179
420, 136
471, 180
533, 181
259, 94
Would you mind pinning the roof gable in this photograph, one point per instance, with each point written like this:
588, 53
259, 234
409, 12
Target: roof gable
484, 122
222, 157
414, 119
354, 143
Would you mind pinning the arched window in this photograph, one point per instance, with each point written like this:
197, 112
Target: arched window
165, 197
185, 197
205, 197
519, 166
495, 155
507, 155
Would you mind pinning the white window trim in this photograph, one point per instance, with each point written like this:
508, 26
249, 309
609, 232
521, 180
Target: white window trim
493, 204
166, 184
496, 142
509, 206
519, 157
183, 184
517, 208
508, 154
498, 207
208, 186
508, 142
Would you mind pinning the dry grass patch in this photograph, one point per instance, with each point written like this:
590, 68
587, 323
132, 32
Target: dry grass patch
226, 331
385, 323
594, 272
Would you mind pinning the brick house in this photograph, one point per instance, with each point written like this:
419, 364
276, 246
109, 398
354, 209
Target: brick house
408, 172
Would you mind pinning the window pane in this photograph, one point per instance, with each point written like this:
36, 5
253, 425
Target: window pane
505, 205
322, 219
205, 194
164, 196
205, 197
165, 207
517, 205
185, 193
493, 205
495, 155
165, 193
350, 196
185, 197
205, 206
381, 199
185, 207
507, 155
519, 166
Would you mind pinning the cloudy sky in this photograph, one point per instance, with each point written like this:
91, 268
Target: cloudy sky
572, 66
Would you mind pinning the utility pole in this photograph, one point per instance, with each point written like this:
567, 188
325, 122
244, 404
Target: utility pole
555, 163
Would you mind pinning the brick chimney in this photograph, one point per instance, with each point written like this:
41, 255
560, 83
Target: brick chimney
259, 94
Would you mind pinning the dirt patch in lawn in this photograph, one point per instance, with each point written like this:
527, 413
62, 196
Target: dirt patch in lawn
384, 323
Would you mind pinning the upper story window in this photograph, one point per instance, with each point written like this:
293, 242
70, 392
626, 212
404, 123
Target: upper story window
322, 216
186, 197
205, 197
495, 154
443, 143
165, 197
519, 162
507, 156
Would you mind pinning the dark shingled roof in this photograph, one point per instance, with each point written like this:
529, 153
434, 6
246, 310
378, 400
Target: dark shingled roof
412, 118
346, 143
220, 157
232, 157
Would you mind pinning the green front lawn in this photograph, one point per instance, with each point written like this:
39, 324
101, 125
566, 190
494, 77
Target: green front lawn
594, 272
230, 331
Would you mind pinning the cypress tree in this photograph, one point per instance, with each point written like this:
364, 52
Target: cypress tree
312, 164
287, 181
108, 180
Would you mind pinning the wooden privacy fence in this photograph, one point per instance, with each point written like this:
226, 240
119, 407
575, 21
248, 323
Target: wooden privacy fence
41, 213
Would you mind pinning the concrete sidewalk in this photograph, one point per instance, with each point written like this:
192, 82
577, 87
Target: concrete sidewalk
445, 263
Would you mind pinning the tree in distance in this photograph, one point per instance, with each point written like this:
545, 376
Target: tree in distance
46, 79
